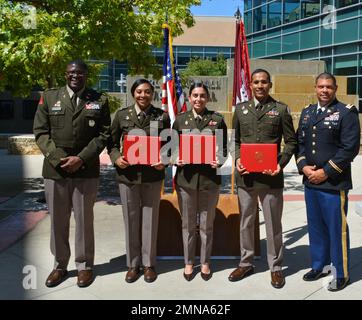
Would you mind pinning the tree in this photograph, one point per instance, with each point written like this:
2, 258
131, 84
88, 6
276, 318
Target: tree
204, 67
37, 38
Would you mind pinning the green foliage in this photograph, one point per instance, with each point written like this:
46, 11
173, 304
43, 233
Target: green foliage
204, 67
38, 38
114, 103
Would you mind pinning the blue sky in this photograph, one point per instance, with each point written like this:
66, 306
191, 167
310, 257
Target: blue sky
217, 8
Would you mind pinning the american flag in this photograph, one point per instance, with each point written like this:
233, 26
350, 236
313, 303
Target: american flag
241, 88
172, 95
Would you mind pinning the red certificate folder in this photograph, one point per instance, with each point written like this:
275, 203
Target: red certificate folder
257, 157
141, 149
197, 148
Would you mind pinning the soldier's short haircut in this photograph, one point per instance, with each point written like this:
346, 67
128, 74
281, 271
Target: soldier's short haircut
199, 84
138, 82
260, 71
326, 75
79, 63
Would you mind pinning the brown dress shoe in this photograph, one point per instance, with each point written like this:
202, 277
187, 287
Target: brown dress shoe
85, 278
150, 274
132, 274
240, 273
56, 277
277, 279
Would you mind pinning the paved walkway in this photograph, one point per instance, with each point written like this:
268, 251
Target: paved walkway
25, 258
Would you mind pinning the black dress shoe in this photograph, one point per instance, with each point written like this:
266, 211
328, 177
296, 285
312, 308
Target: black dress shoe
150, 274
338, 284
189, 276
314, 275
206, 276
56, 277
132, 274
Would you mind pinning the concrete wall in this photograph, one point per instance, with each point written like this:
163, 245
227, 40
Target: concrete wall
218, 88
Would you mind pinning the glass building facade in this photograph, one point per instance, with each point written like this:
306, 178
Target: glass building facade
183, 54
111, 73
329, 30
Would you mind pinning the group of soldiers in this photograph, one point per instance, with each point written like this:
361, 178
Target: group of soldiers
72, 126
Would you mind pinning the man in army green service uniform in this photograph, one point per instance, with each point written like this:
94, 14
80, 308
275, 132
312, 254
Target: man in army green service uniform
262, 120
71, 128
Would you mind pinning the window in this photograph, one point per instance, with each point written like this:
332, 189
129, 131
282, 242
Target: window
346, 31
6, 109
311, 54
291, 10
273, 46
326, 36
347, 48
291, 42
345, 65
247, 4
258, 49
29, 109
248, 22
260, 19
352, 86
344, 3
309, 38
309, 8
274, 14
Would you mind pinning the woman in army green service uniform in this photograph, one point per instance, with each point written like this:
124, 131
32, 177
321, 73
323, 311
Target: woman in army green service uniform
139, 185
198, 185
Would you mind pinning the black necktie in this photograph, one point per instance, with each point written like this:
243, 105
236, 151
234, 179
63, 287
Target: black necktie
319, 111
142, 117
259, 108
73, 100
198, 121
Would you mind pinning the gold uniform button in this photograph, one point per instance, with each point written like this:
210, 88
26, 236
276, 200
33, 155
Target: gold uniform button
313, 135
313, 151
314, 127
313, 143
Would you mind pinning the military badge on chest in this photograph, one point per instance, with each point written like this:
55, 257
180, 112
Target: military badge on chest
92, 106
272, 113
57, 106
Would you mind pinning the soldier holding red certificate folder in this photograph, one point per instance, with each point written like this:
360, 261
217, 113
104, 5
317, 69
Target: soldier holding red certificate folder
262, 120
197, 182
139, 184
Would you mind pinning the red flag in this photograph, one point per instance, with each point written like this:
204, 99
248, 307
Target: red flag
241, 88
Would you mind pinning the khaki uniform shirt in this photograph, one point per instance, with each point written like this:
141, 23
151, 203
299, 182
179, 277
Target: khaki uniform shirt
272, 124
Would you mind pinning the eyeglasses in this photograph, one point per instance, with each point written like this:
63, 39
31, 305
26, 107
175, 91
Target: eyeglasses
76, 73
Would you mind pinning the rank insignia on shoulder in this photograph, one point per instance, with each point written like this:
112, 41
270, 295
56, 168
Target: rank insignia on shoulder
349, 106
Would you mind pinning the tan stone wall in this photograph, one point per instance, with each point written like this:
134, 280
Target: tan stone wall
24, 144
